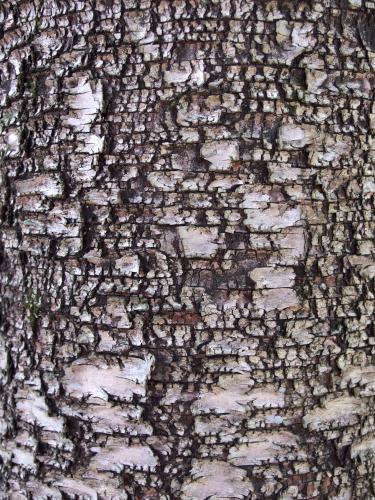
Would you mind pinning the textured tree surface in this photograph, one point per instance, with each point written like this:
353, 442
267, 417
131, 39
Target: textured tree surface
187, 240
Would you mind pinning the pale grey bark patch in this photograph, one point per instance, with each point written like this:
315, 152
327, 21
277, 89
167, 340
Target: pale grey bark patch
97, 380
49, 186
198, 242
215, 479
32, 408
116, 455
340, 412
260, 448
236, 393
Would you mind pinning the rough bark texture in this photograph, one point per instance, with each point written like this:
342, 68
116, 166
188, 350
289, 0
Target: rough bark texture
187, 243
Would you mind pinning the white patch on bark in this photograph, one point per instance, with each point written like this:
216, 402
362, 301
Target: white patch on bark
293, 38
165, 181
115, 314
290, 245
315, 79
235, 393
344, 494
12, 140
266, 397
93, 144
230, 342
85, 101
198, 241
271, 218
48, 43
276, 299
102, 197
24, 458
364, 448
215, 480
179, 73
116, 455
296, 136
11, 72
186, 71
300, 331
137, 24
220, 154
107, 418
33, 409
128, 265
269, 277
253, 199
60, 221
271, 447
96, 379
337, 413
76, 488
364, 377
42, 491
223, 182
3, 356
45, 185
365, 265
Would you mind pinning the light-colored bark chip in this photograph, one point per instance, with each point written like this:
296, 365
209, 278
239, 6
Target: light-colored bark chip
198, 241
186, 71
269, 277
45, 185
96, 379
266, 447
236, 394
85, 100
107, 418
363, 448
274, 217
296, 136
338, 412
216, 480
117, 455
220, 154
75, 487
293, 39
362, 376
273, 299
32, 408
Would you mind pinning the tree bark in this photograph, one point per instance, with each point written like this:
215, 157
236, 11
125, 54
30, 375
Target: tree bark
187, 241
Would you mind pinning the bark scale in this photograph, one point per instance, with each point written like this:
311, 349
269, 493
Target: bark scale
187, 240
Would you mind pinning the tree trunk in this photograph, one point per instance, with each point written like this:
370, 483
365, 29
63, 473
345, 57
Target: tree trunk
187, 240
